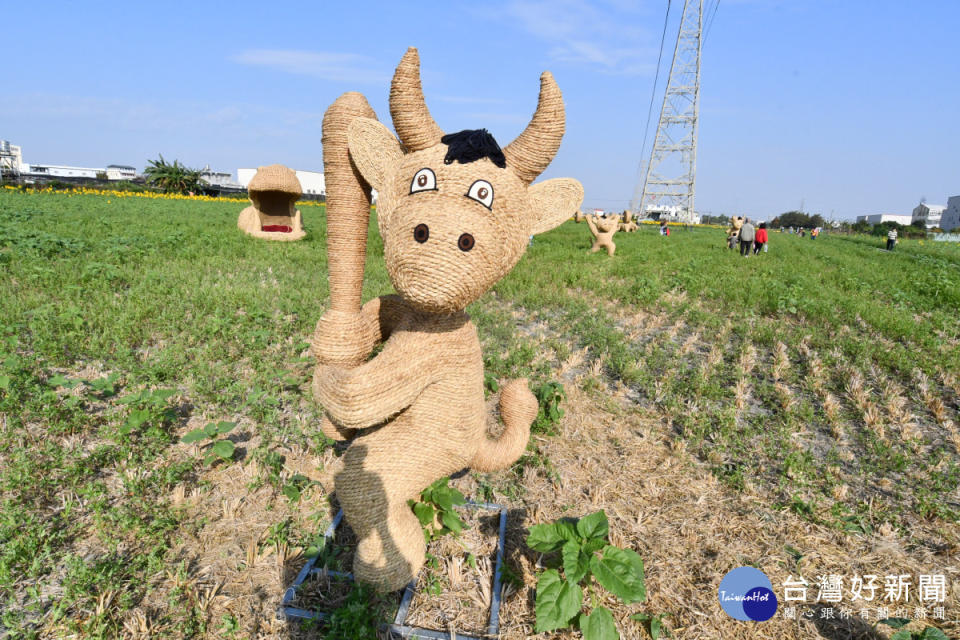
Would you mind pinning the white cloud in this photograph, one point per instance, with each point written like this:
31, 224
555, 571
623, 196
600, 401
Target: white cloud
337, 67
579, 32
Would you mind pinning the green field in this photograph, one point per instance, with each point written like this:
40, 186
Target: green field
819, 382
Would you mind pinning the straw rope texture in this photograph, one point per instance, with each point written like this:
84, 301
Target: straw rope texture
415, 412
273, 191
603, 229
628, 225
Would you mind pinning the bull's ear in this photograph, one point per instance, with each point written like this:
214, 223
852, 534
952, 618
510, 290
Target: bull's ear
553, 202
374, 150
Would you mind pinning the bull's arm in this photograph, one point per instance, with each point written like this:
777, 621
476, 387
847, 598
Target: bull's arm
380, 388
386, 312
592, 224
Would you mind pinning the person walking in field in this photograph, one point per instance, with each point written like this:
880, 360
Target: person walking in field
746, 238
891, 239
761, 238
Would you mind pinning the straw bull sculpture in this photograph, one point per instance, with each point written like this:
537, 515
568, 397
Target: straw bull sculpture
455, 213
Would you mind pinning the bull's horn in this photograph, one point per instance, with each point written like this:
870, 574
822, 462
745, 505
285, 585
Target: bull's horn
535, 148
411, 118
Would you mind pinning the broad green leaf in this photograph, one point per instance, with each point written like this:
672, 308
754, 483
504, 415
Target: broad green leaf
594, 525
575, 562
224, 449
225, 427
210, 429
194, 436
443, 498
903, 634
62, 381
594, 544
620, 571
452, 521
550, 537
292, 492
134, 420
599, 625
4, 382
425, 513
655, 628
932, 633
458, 498
557, 602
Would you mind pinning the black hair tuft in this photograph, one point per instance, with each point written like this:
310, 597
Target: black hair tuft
472, 144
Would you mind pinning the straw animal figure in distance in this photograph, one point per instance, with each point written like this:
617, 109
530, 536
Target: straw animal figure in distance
734, 230
272, 214
603, 228
455, 213
628, 225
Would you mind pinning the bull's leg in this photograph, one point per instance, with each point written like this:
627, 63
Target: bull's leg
380, 473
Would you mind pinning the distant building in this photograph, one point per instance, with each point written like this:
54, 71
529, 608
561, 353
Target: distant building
951, 217
877, 218
311, 182
670, 213
120, 172
929, 214
58, 171
11, 158
219, 178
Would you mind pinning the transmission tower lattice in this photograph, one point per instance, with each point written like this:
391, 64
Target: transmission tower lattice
670, 179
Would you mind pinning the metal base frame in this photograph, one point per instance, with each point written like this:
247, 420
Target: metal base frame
398, 627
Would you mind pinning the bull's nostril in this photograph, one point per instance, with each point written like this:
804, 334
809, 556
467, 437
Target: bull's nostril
465, 242
421, 232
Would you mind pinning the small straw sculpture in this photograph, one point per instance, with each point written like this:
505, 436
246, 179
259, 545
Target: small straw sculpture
272, 215
628, 225
603, 229
451, 227
733, 230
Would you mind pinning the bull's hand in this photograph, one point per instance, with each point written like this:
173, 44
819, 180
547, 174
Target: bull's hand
343, 338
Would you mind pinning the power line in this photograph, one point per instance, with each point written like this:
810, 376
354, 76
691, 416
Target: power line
710, 23
653, 93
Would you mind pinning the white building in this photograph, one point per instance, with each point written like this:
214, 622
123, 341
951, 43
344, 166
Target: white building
877, 218
951, 217
59, 171
10, 156
218, 178
120, 172
929, 213
671, 213
311, 182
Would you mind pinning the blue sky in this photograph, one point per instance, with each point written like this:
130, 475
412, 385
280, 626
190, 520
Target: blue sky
848, 106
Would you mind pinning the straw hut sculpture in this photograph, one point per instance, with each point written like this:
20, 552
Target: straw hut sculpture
272, 216
603, 228
455, 214
628, 225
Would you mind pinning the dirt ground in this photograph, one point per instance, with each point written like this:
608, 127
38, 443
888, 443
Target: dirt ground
609, 454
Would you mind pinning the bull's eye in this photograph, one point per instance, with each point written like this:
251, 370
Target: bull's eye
465, 242
423, 180
482, 192
421, 232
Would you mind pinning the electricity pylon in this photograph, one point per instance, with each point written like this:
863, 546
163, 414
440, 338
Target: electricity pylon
670, 179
